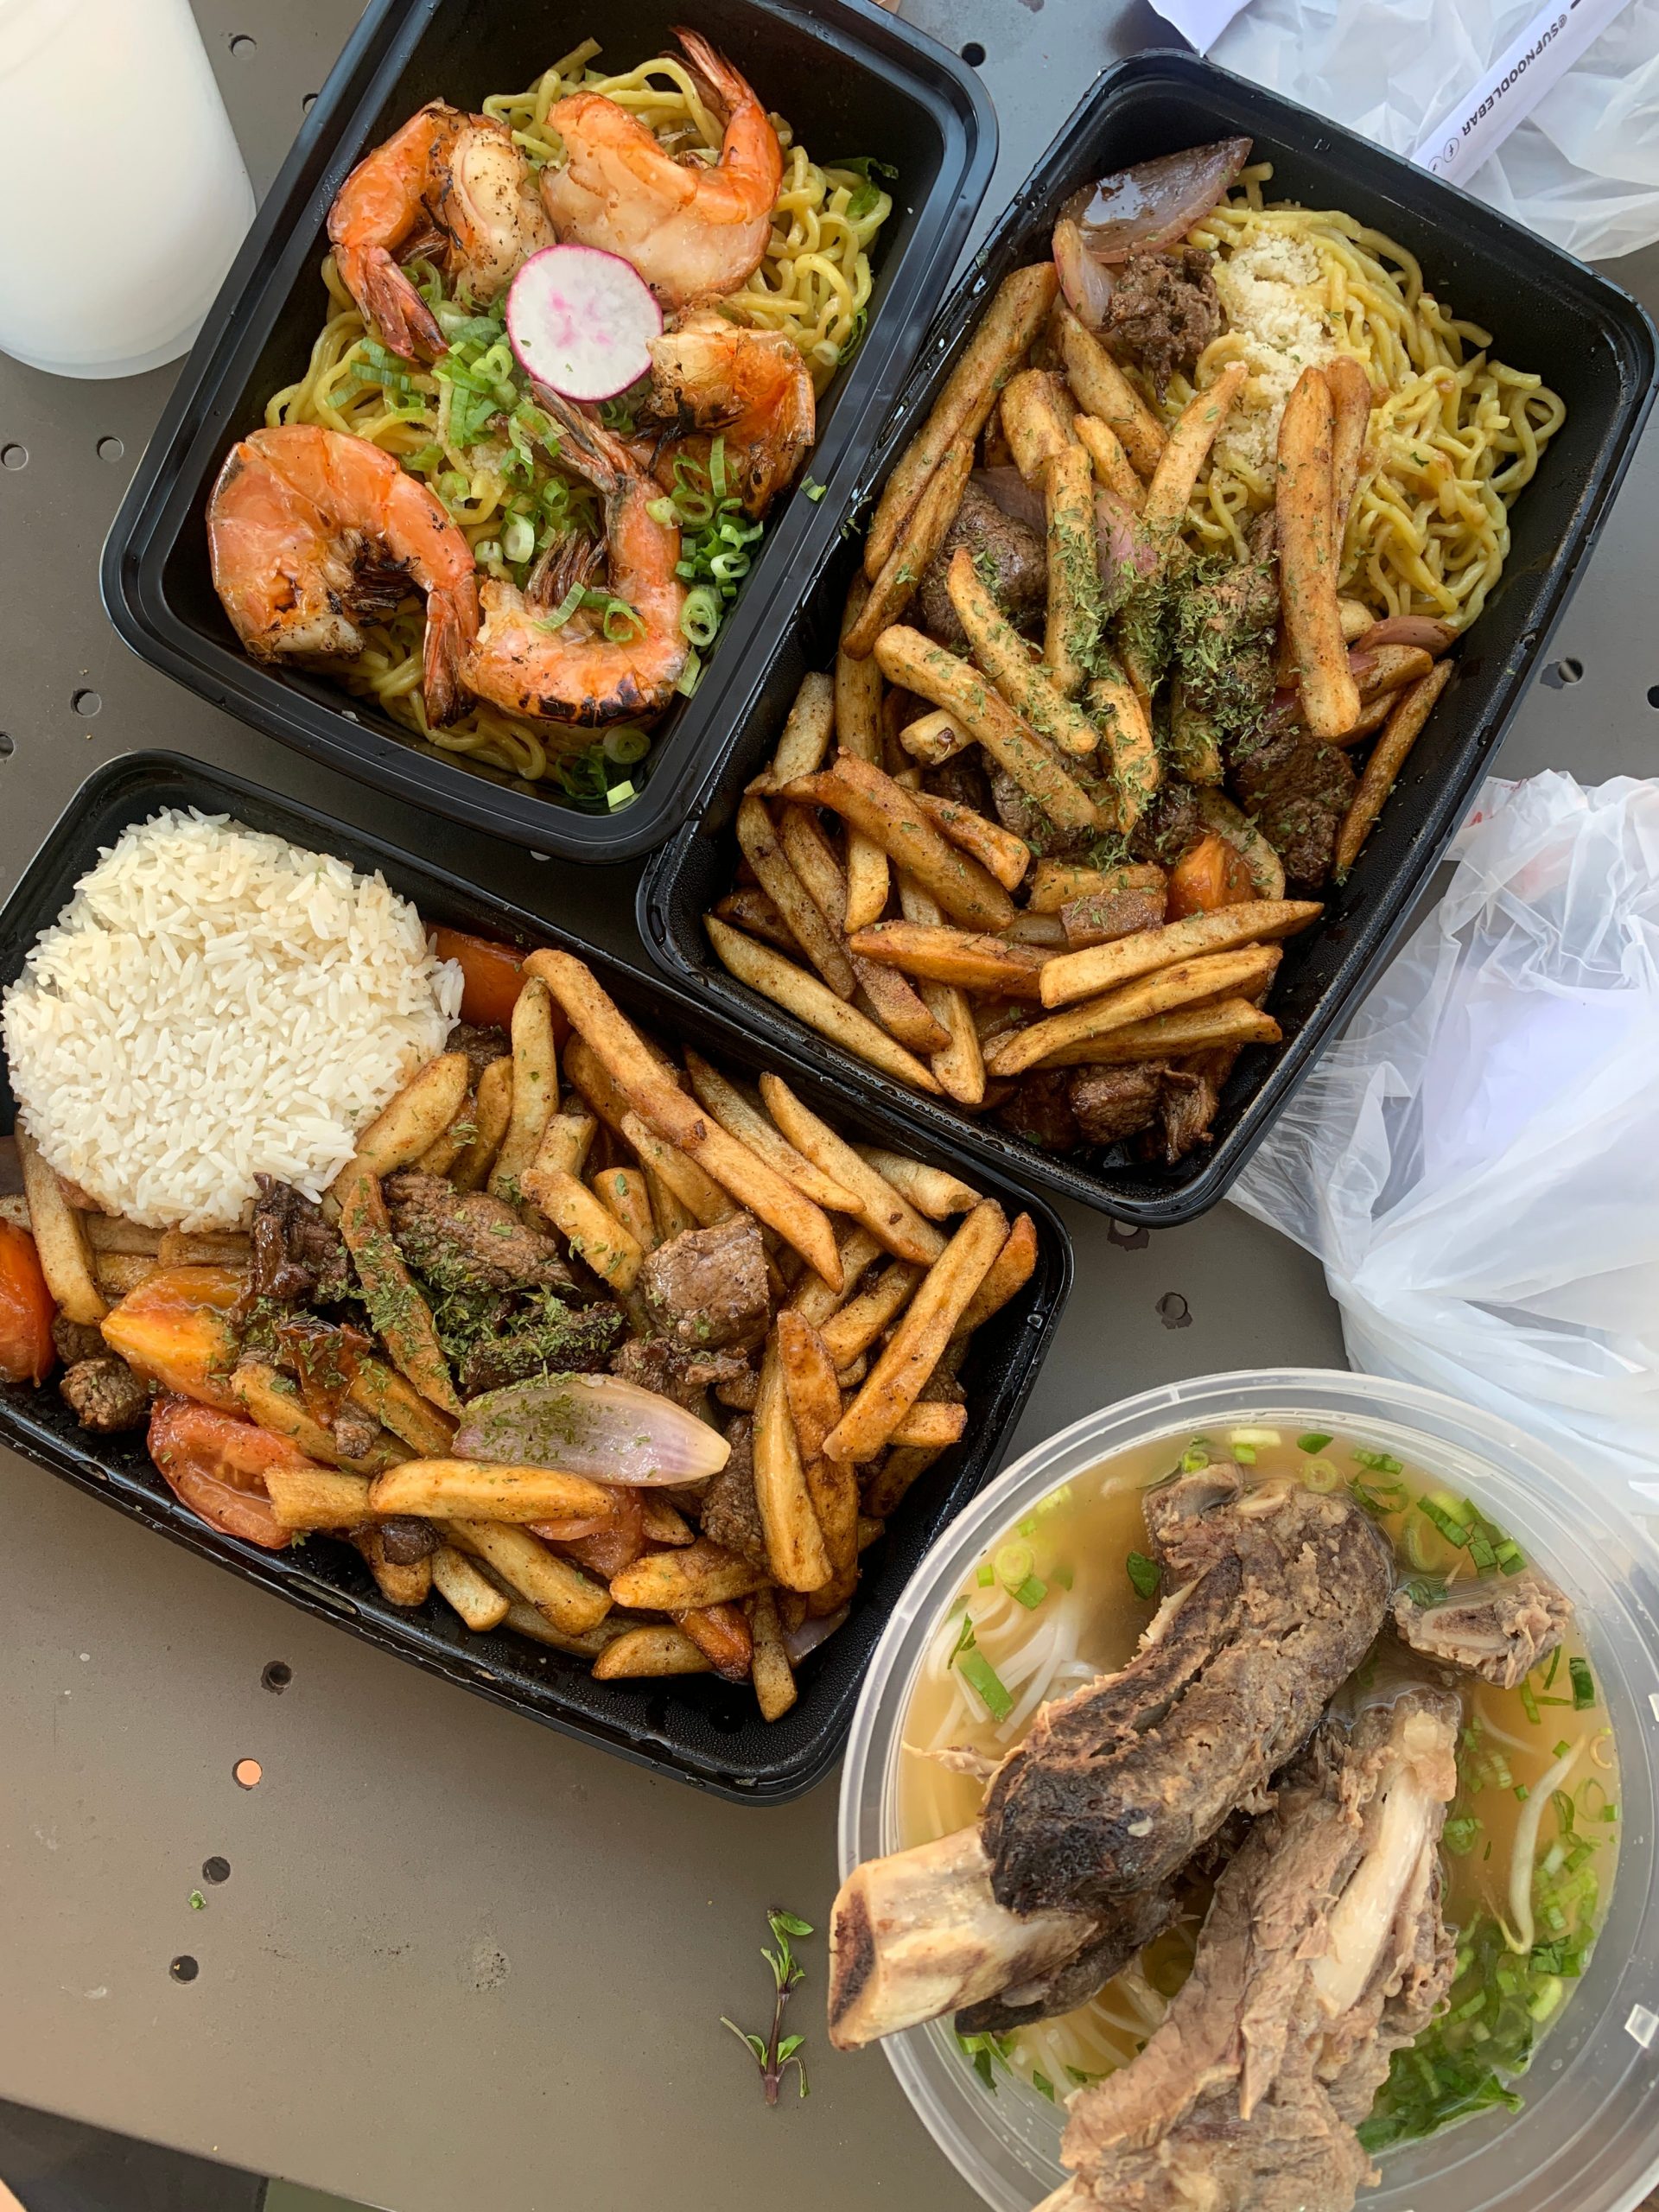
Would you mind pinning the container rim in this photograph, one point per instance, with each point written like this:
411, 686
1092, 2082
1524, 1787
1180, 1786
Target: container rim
1585, 1540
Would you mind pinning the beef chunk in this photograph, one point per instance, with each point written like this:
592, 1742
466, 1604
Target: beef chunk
405, 1541
1191, 1099
1040, 1111
656, 1364
1223, 648
1165, 310
729, 1513
104, 1394
543, 1336
465, 1240
707, 1288
1111, 1104
1247, 2095
1012, 561
354, 1432
1297, 788
1116, 1786
1500, 1628
299, 1259
1017, 810
962, 779
1170, 824
77, 1340
481, 1045
1100, 915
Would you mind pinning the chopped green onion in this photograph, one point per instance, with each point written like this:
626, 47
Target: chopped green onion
1245, 1454
1145, 1573
1529, 1705
1056, 1502
1014, 1563
1560, 1752
1481, 1553
1454, 1531
1510, 1557
518, 540
1461, 1834
813, 492
1063, 1576
1195, 1455
1314, 1439
983, 1678
625, 745
1082, 2078
562, 613
690, 675
964, 1639
1549, 1672
619, 795
1256, 1436
1031, 1593
717, 468
700, 617
1028, 1526
1043, 2086
1379, 1463
1584, 1683
1522, 1791
986, 1576
1322, 1476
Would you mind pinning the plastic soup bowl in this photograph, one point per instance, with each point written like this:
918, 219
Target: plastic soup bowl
1587, 2137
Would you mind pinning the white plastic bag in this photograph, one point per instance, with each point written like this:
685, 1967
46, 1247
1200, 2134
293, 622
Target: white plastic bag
1583, 168
1477, 1162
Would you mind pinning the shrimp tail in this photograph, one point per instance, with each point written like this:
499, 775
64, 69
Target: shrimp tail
587, 446
451, 633
722, 86
399, 314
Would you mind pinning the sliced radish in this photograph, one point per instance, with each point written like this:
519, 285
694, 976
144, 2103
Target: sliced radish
580, 321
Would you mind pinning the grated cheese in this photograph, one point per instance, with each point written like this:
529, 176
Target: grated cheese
1279, 326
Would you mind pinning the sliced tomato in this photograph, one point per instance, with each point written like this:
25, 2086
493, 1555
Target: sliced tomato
26, 1309
1213, 874
216, 1464
491, 978
176, 1329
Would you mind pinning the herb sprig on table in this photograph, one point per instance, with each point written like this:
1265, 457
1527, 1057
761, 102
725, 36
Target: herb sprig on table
777, 2052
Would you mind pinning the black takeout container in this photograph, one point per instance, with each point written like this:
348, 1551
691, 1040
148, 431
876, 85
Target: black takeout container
703, 1730
1589, 340
851, 78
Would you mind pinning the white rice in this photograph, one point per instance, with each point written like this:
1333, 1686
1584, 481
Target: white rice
214, 1004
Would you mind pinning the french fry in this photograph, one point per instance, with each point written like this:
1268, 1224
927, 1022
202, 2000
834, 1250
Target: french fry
853, 1374
594, 1235
60, 1241
13, 1209
833, 1488
794, 1540
1356, 617
483, 1489
1351, 418
918, 541
1036, 418
930, 1427
1104, 390
699, 1195
738, 1114
860, 1321
810, 1001
1307, 570
401, 1316
808, 729
1055, 884
1114, 470
1267, 869
274, 1402
1121, 712
970, 959
931, 1190
442, 1155
814, 1299
908, 658
1386, 668
668, 1212
1046, 932
1071, 975
560, 1591
858, 731
752, 910
818, 938
722, 1634
524, 1620
913, 1350
106, 1232
1076, 607
664, 1523
960, 1068
396, 1405
871, 801
317, 1497
997, 850
1387, 758
415, 1119
116, 1272
586, 1073
492, 1111
655, 1650
1006, 328
1209, 977
769, 1668
1000, 652
891, 1000
890, 1217
535, 1084
1187, 449
809, 1385
702, 1574
625, 1194
1229, 1023
1006, 1277
400, 1582
565, 1143
934, 737
458, 1583
885, 1487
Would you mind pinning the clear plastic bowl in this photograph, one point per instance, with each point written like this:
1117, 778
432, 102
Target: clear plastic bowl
1587, 2139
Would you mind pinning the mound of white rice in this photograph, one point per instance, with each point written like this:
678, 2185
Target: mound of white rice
213, 1004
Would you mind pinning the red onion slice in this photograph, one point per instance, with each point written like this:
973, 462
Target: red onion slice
811, 1634
1086, 282
1426, 631
1152, 203
594, 1425
1008, 489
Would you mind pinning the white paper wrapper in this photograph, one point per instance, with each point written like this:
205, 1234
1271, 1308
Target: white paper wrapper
1583, 170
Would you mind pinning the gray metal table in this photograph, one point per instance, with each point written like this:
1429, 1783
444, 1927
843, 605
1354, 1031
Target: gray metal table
457, 1960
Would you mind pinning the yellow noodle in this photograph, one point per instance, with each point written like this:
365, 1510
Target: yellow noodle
1453, 434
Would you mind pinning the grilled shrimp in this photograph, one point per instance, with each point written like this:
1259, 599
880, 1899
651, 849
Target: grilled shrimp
692, 232
454, 181
751, 386
577, 674
312, 531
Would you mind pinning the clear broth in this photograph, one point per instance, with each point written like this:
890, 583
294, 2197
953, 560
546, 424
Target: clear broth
1053, 1603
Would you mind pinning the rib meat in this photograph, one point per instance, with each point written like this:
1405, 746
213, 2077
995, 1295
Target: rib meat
1499, 1629
1324, 1951
1277, 1593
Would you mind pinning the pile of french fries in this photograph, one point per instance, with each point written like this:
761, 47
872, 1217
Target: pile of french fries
880, 1268
918, 934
